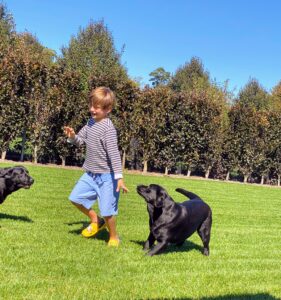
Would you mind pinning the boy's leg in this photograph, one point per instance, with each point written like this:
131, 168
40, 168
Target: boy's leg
88, 212
108, 204
83, 196
114, 240
96, 224
111, 225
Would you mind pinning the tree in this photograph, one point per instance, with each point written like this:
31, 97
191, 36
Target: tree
24, 78
213, 121
250, 125
274, 145
276, 97
36, 50
168, 141
92, 53
254, 95
7, 83
190, 75
202, 122
7, 28
248, 137
69, 107
149, 118
127, 95
159, 76
12, 95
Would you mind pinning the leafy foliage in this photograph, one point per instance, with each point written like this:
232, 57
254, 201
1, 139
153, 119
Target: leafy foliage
92, 53
254, 95
150, 119
159, 76
190, 76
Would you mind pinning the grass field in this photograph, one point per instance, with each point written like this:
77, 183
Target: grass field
43, 255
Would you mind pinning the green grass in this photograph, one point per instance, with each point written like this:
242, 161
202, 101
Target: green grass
43, 255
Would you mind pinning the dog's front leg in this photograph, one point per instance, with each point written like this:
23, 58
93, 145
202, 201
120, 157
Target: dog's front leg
157, 248
149, 243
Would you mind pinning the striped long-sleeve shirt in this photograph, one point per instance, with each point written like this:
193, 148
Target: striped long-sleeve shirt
102, 154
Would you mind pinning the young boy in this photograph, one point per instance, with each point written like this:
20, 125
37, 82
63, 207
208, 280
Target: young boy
102, 180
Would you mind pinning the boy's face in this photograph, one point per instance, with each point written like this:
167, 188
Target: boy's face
98, 113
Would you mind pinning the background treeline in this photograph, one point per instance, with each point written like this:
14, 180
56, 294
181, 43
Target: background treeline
183, 123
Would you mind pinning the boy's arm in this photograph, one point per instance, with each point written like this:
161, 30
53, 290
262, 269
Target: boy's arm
121, 185
115, 159
76, 139
113, 152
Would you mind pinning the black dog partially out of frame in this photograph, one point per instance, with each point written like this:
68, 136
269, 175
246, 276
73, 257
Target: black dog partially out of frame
12, 179
173, 223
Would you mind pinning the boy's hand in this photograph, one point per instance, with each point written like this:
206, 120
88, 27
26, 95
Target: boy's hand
121, 185
69, 132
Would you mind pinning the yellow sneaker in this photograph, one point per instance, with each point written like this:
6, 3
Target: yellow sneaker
92, 229
113, 243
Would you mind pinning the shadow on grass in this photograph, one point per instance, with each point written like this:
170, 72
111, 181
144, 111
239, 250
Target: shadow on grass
102, 235
186, 246
260, 296
15, 218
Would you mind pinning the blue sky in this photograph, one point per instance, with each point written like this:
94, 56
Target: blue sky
236, 40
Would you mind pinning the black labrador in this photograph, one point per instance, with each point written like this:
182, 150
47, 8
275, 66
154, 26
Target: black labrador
12, 179
173, 223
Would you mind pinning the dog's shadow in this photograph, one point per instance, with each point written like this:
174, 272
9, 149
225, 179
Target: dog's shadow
185, 247
15, 218
101, 235
261, 296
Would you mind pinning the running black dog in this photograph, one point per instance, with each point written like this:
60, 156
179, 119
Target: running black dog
173, 223
12, 179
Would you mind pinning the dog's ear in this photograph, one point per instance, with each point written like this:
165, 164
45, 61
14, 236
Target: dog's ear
8, 180
160, 199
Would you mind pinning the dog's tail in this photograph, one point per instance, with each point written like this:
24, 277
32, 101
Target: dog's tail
187, 194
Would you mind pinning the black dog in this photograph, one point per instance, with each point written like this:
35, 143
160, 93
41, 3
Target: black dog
12, 179
173, 223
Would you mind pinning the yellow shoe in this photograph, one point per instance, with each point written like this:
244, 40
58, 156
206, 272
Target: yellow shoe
113, 243
92, 229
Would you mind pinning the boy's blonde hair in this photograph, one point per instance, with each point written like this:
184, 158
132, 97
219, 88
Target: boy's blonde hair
102, 96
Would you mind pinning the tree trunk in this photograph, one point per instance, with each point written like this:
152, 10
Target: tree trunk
278, 180
23, 145
63, 160
123, 160
262, 179
179, 168
246, 178
3, 155
145, 166
35, 158
188, 172
227, 176
207, 174
166, 171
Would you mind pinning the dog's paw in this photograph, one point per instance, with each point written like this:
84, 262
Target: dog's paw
206, 252
146, 246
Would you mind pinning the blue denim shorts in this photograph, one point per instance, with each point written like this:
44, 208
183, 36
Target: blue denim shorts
97, 187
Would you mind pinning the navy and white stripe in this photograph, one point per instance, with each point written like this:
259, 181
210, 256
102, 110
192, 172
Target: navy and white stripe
102, 154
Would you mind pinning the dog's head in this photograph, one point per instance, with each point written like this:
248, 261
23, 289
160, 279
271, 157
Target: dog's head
154, 194
17, 177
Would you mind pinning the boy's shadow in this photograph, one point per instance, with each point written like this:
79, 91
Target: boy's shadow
15, 218
101, 235
185, 247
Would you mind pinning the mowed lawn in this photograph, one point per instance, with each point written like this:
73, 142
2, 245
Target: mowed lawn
43, 255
